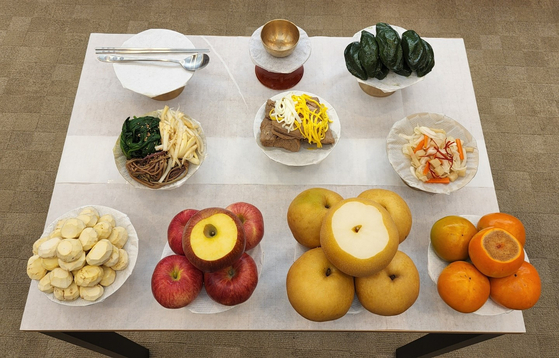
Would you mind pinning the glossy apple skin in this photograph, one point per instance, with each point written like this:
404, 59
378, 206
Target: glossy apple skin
253, 222
234, 284
391, 291
176, 229
175, 282
226, 260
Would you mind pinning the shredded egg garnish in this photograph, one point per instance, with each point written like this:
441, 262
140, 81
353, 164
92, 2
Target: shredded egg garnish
293, 113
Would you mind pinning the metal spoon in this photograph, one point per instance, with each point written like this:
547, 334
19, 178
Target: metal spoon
189, 63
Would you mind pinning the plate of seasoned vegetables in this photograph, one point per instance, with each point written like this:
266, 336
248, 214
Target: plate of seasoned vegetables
160, 150
432, 152
388, 57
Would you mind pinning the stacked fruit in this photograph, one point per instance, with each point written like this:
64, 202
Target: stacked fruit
353, 251
496, 266
210, 251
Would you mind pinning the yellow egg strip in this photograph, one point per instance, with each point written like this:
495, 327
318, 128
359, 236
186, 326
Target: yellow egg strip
314, 124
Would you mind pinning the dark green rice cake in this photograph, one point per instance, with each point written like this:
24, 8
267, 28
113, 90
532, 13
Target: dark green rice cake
414, 51
368, 53
382, 71
351, 55
429, 63
389, 47
405, 71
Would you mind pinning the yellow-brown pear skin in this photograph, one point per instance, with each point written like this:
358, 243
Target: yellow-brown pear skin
392, 290
365, 223
316, 289
305, 214
395, 205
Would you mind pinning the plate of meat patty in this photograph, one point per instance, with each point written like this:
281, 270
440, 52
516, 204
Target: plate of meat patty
287, 142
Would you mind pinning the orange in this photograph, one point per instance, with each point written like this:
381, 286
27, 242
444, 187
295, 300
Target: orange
450, 237
504, 221
518, 291
463, 287
495, 252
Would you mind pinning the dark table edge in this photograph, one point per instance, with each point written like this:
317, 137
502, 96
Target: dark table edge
110, 344
113, 344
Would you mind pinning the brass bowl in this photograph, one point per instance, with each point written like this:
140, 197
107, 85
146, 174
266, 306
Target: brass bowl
280, 37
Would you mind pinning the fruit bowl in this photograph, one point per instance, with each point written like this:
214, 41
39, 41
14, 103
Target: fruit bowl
131, 248
203, 304
401, 163
435, 265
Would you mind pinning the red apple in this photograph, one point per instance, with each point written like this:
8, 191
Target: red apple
234, 284
213, 239
252, 220
176, 229
175, 282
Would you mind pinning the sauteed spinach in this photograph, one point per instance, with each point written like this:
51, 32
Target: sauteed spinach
140, 136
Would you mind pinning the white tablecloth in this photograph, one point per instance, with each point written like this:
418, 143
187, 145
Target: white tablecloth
224, 97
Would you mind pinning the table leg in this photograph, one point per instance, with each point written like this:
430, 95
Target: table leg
111, 344
434, 344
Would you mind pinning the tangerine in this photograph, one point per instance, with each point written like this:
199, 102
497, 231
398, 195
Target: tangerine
450, 237
504, 221
519, 291
495, 252
463, 287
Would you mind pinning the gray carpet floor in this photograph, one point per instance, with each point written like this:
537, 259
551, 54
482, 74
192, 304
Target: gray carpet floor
513, 52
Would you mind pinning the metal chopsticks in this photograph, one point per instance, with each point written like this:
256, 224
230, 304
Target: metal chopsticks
146, 50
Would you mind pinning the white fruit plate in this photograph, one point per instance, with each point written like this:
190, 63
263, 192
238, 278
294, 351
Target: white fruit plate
131, 247
203, 303
435, 265
308, 154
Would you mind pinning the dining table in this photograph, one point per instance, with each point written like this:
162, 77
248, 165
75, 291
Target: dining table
224, 98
